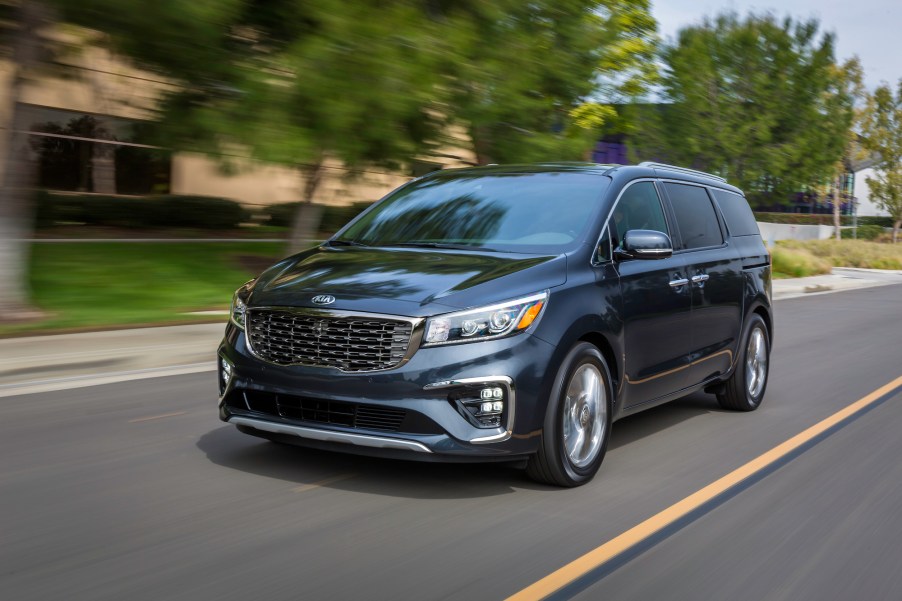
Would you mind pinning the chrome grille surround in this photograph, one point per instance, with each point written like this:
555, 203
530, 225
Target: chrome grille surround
345, 340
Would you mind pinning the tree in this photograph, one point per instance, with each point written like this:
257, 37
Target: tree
850, 79
534, 81
882, 136
760, 101
27, 51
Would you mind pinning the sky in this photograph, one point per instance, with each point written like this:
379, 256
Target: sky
870, 29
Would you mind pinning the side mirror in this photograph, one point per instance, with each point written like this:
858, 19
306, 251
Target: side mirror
644, 244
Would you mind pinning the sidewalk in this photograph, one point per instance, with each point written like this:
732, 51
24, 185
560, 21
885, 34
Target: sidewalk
842, 278
57, 362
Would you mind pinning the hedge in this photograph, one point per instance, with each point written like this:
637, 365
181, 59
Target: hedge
819, 219
333, 217
865, 232
203, 212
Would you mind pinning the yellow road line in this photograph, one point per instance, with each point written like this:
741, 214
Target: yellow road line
326, 482
144, 419
614, 547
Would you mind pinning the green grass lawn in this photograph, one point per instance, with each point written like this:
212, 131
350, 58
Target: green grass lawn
97, 284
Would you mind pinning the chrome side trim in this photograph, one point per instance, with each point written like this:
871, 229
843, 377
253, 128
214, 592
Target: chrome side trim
653, 251
700, 278
418, 327
361, 440
511, 395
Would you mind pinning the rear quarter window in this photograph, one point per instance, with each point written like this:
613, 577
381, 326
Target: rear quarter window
737, 213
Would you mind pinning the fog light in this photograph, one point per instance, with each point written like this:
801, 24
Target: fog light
225, 375
483, 406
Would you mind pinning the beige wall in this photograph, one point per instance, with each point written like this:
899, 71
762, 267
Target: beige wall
104, 84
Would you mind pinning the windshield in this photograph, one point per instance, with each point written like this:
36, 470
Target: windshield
519, 212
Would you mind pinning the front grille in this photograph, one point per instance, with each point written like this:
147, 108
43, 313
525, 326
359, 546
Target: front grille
348, 343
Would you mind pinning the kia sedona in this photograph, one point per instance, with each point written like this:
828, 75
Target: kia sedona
504, 313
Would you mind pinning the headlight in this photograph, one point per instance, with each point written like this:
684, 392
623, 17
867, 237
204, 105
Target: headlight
238, 310
485, 323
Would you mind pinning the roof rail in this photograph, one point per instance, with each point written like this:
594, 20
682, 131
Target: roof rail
654, 165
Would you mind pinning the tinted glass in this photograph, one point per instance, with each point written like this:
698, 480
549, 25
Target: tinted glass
639, 208
603, 251
737, 213
695, 216
520, 212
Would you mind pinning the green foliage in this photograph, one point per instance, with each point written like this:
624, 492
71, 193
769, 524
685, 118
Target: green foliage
850, 253
533, 81
370, 82
820, 219
865, 232
882, 136
333, 217
758, 100
129, 212
797, 263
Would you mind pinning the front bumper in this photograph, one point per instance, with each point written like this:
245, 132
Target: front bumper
413, 411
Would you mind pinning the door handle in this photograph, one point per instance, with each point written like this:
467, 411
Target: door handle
678, 283
698, 279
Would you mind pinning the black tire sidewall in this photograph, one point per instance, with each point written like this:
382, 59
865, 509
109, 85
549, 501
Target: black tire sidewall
754, 323
579, 355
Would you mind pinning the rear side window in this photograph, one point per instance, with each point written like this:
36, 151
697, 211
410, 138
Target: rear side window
737, 213
695, 216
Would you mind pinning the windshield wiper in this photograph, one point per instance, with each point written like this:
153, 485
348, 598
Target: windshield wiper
339, 242
447, 245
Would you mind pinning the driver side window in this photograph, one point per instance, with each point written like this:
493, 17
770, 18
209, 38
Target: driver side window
639, 209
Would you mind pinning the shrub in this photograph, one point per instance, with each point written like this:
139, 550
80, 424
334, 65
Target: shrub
798, 262
138, 212
819, 219
865, 232
332, 219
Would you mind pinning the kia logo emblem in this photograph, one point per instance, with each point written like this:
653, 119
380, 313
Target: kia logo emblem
324, 299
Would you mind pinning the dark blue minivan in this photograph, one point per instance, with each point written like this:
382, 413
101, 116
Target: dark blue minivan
506, 312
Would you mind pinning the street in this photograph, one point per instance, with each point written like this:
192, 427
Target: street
135, 490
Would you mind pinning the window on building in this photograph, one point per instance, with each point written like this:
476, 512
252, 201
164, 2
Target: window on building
78, 152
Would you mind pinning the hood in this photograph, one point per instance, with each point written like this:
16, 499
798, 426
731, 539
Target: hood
404, 281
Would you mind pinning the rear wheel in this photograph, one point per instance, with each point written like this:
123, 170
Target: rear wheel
577, 422
745, 388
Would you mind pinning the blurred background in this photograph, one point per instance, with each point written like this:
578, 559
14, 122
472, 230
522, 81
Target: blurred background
153, 156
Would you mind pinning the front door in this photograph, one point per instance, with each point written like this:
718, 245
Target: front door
656, 303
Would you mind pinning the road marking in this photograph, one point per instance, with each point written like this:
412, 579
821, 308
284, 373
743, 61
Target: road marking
145, 419
321, 483
641, 532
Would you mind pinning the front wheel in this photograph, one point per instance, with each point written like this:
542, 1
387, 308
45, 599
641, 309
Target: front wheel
577, 422
745, 388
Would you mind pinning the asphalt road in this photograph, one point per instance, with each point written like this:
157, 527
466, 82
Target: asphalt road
136, 491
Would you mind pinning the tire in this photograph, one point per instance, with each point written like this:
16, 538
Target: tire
580, 406
744, 390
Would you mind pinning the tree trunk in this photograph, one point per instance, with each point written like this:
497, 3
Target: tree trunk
19, 171
896, 225
306, 221
837, 206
